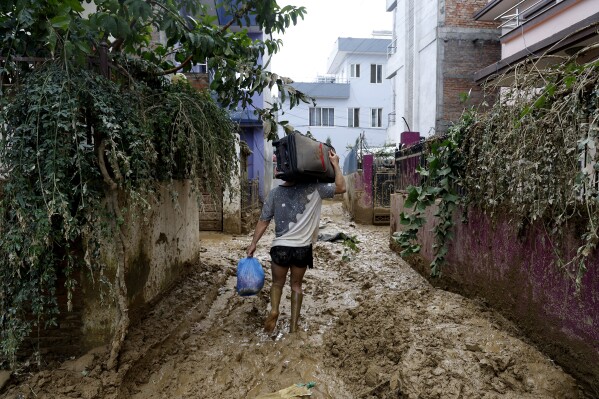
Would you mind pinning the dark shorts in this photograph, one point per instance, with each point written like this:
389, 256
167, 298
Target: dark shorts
292, 256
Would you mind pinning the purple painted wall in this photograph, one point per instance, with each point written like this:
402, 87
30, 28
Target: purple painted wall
515, 270
254, 138
358, 197
409, 138
252, 133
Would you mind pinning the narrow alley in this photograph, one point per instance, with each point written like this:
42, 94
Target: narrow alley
371, 327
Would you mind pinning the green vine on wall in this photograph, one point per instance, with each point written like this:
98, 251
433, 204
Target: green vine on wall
88, 136
64, 132
532, 155
441, 179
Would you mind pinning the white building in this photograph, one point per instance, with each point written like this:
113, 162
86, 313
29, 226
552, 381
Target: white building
353, 98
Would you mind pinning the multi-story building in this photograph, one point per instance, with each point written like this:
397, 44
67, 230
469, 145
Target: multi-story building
354, 97
437, 46
540, 30
259, 167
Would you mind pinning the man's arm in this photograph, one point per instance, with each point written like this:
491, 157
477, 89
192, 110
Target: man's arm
261, 227
339, 179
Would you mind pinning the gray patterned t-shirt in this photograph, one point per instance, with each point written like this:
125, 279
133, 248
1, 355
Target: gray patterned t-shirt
296, 210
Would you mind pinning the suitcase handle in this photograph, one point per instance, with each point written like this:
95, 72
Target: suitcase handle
286, 157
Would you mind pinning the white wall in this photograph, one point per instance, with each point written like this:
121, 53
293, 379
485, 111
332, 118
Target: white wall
426, 93
415, 83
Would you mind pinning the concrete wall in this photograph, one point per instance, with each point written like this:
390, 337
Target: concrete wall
232, 199
161, 242
514, 269
358, 197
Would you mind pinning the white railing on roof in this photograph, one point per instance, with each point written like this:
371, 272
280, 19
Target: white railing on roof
513, 17
330, 79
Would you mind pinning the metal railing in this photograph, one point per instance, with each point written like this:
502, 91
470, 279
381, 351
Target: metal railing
392, 48
409, 160
331, 79
514, 17
250, 198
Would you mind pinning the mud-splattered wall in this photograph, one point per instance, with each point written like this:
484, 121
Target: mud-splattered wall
161, 243
515, 269
357, 200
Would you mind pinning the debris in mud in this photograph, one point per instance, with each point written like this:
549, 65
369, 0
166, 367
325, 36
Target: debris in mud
294, 391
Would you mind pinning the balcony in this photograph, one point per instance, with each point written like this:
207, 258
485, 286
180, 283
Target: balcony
392, 48
522, 12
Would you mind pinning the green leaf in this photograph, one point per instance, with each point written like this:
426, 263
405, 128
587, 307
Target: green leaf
569, 81
52, 38
61, 21
75, 5
83, 46
445, 171
122, 29
540, 102
450, 198
109, 23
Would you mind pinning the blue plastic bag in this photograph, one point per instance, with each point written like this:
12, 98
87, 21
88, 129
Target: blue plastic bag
250, 277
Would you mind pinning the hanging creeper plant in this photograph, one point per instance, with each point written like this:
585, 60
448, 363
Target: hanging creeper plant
441, 182
101, 117
78, 150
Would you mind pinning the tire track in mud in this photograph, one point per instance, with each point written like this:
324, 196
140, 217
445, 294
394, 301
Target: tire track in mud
188, 303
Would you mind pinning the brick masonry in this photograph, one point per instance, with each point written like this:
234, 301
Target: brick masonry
462, 58
460, 13
468, 46
64, 339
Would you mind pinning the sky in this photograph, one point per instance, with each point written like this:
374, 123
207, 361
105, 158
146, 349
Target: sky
307, 45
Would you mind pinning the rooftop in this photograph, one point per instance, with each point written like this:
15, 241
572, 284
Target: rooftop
323, 90
350, 45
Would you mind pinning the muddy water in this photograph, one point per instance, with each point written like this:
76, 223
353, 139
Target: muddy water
370, 328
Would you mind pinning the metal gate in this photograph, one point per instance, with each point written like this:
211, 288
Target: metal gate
211, 212
383, 186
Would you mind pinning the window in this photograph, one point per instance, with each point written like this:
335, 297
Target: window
353, 117
376, 73
322, 116
354, 71
376, 117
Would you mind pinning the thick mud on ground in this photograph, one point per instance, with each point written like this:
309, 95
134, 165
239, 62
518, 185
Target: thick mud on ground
371, 327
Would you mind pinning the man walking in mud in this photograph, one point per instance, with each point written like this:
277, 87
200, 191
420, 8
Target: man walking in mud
296, 208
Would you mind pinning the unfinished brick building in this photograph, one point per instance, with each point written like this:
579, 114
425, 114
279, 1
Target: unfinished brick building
436, 49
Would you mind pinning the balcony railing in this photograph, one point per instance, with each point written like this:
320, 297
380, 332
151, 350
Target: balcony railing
515, 17
392, 48
331, 79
